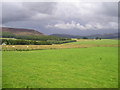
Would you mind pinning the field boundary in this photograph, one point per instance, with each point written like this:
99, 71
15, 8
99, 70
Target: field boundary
45, 47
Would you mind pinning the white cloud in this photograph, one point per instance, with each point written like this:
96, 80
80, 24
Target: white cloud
89, 26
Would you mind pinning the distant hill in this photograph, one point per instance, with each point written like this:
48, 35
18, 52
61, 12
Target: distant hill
30, 32
67, 35
20, 31
104, 36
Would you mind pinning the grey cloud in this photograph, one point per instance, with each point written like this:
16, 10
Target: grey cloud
103, 15
25, 11
110, 9
13, 12
40, 7
0, 14
56, 15
87, 12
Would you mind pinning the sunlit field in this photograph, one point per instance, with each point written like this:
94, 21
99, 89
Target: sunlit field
96, 42
83, 64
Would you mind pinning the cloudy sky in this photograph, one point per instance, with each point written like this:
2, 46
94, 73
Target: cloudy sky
77, 18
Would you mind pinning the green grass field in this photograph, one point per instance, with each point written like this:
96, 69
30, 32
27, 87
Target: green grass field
97, 42
92, 67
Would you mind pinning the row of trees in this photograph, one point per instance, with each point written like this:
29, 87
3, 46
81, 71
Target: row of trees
8, 35
90, 38
32, 42
60, 42
24, 42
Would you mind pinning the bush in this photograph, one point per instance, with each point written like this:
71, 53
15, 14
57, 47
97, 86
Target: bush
85, 38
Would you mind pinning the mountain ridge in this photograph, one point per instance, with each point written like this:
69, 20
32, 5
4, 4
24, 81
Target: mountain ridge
20, 31
104, 36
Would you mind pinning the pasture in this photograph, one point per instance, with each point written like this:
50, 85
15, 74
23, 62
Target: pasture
90, 66
96, 42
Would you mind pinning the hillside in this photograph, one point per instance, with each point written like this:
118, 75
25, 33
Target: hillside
104, 36
107, 36
17, 36
20, 31
67, 35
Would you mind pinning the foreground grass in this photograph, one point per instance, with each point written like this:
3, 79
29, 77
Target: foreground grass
95, 67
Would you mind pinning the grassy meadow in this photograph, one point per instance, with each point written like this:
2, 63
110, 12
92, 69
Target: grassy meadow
96, 42
81, 64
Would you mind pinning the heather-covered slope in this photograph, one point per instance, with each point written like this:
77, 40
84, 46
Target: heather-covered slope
20, 31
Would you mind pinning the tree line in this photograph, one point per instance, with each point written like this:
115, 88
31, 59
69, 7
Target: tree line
32, 42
